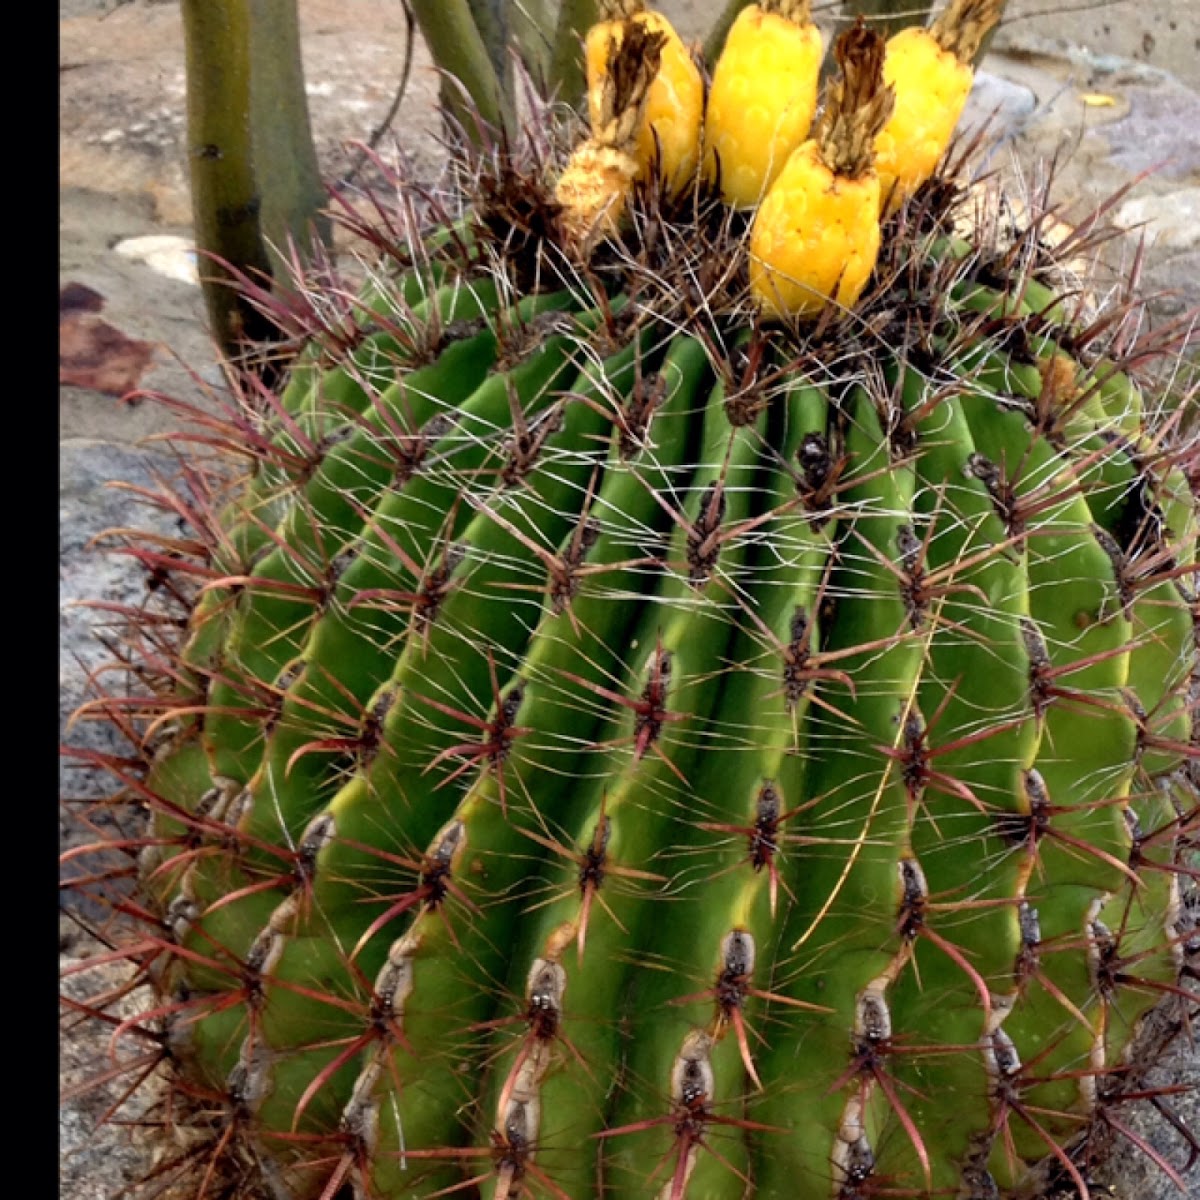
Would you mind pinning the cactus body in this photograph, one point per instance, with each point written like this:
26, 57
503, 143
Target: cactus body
620, 747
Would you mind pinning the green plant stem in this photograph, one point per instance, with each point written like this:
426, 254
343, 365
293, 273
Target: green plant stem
256, 185
226, 204
532, 23
715, 41
566, 62
493, 19
285, 157
458, 48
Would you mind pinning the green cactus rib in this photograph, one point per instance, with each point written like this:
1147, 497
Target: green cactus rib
855, 809
483, 944
619, 748
389, 336
480, 633
574, 649
285, 594
681, 637
318, 410
977, 684
274, 795
705, 987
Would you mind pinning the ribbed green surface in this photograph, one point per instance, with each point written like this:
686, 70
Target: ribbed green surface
636, 760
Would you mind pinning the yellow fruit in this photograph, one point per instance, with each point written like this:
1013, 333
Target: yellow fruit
594, 187
593, 190
932, 86
815, 237
931, 72
761, 103
670, 130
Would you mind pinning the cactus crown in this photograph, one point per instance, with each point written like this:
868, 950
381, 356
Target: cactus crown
857, 103
598, 741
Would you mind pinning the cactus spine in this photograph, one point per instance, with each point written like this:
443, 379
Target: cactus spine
667, 713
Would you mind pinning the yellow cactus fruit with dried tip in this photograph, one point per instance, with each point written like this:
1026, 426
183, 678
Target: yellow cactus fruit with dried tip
594, 187
670, 130
815, 237
931, 70
762, 99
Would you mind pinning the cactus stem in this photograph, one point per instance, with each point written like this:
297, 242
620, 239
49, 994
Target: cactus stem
692, 1087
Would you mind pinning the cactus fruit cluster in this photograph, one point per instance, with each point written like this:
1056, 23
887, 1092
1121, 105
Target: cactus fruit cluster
609, 730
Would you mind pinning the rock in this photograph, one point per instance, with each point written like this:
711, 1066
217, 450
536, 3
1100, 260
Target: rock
1000, 105
1155, 35
168, 254
1170, 220
1161, 132
94, 354
97, 1160
88, 507
1178, 281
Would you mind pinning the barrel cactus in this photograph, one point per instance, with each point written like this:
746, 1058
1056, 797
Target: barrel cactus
645, 710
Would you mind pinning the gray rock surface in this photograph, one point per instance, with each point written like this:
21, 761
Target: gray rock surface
1002, 107
1133, 33
97, 1159
88, 506
1160, 132
91, 571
